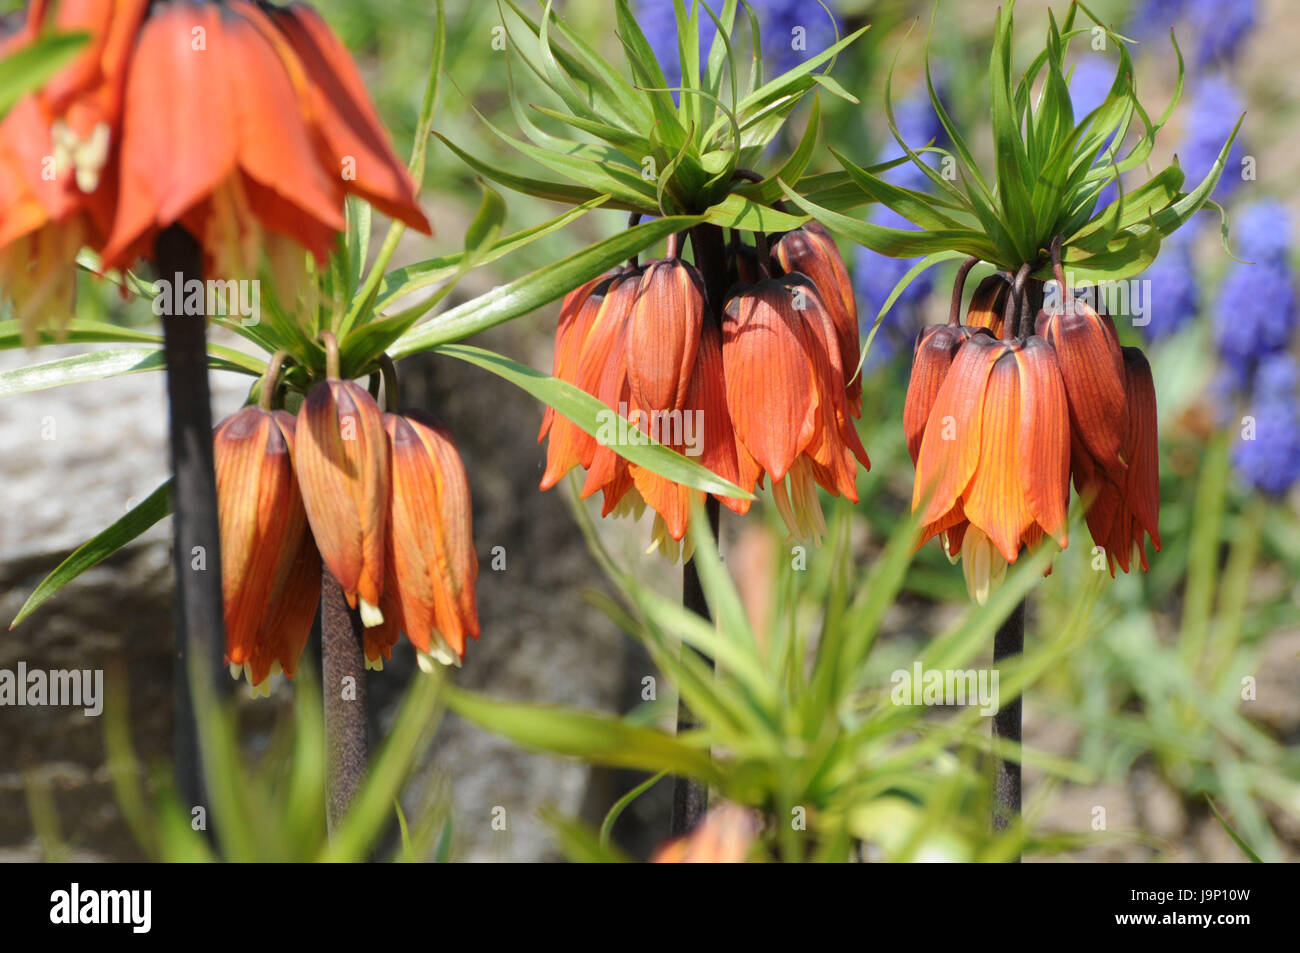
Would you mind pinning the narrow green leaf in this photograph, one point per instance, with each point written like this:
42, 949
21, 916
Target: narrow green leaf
579, 734
540, 287
588, 413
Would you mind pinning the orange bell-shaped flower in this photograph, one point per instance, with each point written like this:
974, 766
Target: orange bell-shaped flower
1125, 504
786, 396
995, 455
270, 569
57, 170
341, 459
431, 566
236, 124
811, 251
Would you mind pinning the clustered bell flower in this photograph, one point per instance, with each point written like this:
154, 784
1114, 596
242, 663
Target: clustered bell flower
247, 123
381, 499
772, 381
999, 425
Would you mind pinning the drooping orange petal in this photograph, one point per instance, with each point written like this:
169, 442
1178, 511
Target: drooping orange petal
355, 144
811, 250
275, 147
936, 345
995, 501
663, 335
1142, 481
1087, 350
1044, 437
431, 564
988, 304
770, 391
261, 522
950, 447
173, 154
341, 456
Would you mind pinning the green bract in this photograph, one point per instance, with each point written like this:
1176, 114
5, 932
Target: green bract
1050, 168
649, 150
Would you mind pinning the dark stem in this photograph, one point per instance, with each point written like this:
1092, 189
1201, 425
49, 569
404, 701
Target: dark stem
1009, 642
633, 219
707, 241
691, 797
1011, 312
958, 286
343, 677
200, 638
392, 390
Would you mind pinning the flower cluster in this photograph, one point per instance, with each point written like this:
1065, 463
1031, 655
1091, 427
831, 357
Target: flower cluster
767, 385
380, 498
998, 425
286, 130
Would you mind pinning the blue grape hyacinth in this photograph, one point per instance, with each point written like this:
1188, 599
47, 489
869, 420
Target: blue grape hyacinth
1271, 460
1214, 109
1255, 322
1255, 314
1173, 295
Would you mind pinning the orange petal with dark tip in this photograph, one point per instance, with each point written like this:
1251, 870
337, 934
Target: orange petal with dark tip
664, 334
950, 447
1044, 437
771, 394
1092, 369
341, 459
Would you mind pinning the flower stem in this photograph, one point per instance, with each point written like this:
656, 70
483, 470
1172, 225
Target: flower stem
200, 639
1009, 641
691, 797
343, 678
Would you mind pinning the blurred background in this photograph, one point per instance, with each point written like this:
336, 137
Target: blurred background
1188, 688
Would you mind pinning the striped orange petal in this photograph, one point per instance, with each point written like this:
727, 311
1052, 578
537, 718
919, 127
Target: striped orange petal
771, 394
936, 346
812, 251
432, 566
1044, 437
356, 149
266, 551
342, 463
1087, 350
1142, 483
988, 304
569, 445
995, 501
951, 445
663, 334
